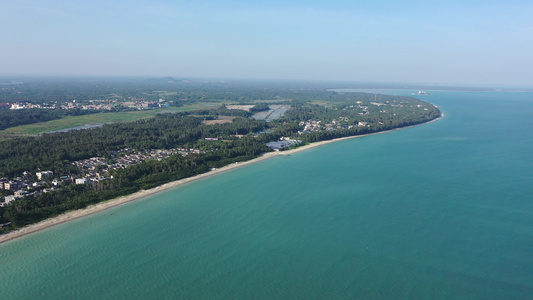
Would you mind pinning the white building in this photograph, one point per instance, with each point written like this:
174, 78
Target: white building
81, 180
44, 174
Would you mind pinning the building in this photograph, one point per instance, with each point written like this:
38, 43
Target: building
2, 182
44, 174
282, 144
11, 186
81, 180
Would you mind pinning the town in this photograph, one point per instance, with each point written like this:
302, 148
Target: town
92, 170
103, 105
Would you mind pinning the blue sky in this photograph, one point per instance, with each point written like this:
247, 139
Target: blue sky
445, 42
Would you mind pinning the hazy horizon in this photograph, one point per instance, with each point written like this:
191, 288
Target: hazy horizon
14, 79
479, 43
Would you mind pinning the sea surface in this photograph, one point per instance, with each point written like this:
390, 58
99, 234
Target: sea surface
438, 211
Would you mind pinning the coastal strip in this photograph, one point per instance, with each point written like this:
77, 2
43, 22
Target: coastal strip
96, 208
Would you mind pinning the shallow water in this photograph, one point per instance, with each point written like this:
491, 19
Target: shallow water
438, 211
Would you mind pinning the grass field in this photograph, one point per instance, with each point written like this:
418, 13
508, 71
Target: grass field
75, 121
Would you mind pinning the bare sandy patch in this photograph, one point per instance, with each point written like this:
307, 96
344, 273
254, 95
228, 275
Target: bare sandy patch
241, 107
213, 122
220, 120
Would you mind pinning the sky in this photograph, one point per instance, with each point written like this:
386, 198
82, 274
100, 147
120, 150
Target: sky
433, 42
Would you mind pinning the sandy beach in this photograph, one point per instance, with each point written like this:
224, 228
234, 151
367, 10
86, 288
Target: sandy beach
73, 215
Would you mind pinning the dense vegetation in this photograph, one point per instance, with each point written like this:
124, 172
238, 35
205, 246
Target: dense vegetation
238, 140
47, 90
379, 112
259, 107
53, 151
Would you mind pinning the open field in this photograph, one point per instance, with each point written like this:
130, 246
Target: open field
165, 93
272, 100
75, 121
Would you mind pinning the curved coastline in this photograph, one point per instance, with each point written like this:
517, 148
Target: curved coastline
102, 206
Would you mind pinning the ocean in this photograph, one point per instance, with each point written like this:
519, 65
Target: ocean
438, 211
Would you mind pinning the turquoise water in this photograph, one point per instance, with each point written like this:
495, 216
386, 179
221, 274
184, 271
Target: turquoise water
438, 211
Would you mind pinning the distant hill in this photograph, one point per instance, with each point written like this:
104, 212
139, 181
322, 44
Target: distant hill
162, 80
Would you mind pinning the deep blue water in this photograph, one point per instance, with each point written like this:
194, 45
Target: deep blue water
438, 211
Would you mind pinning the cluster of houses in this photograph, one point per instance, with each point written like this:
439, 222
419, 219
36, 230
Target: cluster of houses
94, 167
92, 170
26, 105
344, 122
340, 123
28, 185
91, 104
310, 126
114, 104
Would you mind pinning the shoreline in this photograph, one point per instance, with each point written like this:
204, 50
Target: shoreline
102, 206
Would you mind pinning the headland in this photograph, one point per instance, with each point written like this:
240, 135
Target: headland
102, 206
